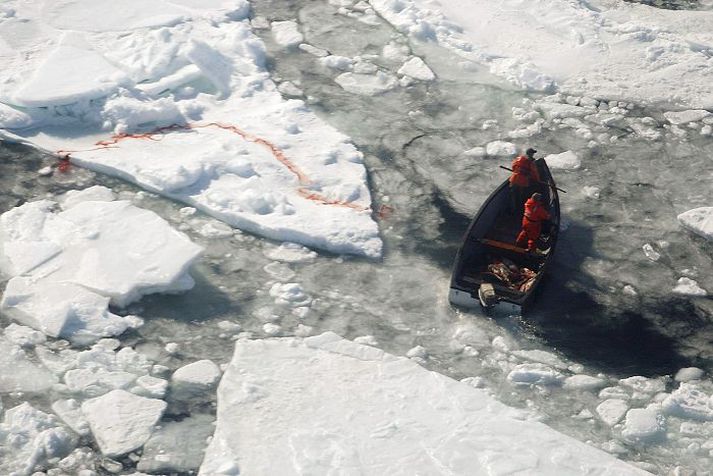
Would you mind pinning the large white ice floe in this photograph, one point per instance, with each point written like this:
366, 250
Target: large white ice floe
67, 266
699, 221
598, 48
175, 98
323, 404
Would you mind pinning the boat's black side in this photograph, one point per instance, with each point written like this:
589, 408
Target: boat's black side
489, 248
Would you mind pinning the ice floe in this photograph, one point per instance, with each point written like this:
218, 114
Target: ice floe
176, 98
605, 48
567, 160
194, 379
127, 426
66, 266
324, 404
698, 220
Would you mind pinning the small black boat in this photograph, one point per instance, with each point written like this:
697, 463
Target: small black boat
490, 270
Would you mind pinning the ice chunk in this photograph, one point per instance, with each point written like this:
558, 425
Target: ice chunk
417, 69
341, 63
583, 382
689, 287
127, 426
78, 260
643, 425
95, 193
291, 253
612, 410
69, 74
688, 401
194, 379
11, 118
70, 412
500, 148
643, 385
684, 117
29, 438
567, 160
177, 446
698, 220
689, 373
149, 386
19, 374
97, 381
373, 412
24, 336
286, 33
541, 356
290, 294
367, 84
538, 374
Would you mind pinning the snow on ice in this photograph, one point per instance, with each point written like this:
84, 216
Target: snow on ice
175, 98
322, 404
67, 266
605, 48
699, 221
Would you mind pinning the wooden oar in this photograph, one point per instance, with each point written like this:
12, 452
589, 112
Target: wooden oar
539, 181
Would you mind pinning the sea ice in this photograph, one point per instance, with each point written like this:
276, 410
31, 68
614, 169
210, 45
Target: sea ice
698, 220
583, 382
689, 287
537, 374
643, 425
367, 84
29, 438
322, 404
127, 426
177, 446
688, 373
689, 401
194, 379
417, 69
612, 410
69, 265
500, 148
18, 373
194, 75
566, 160
286, 33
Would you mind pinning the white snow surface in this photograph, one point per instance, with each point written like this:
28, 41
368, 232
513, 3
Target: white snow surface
67, 266
212, 130
595, 48
322, 405
567, 160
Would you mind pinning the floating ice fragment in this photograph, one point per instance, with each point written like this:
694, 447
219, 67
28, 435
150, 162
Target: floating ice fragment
95, 193
689, 287
689, 401
684, 117
291, 253
286, 33
643, 425
689, 373
650, 252
698, 220
24, 336
537, 374
194, 379
500, 148
417, 69
583, 382
127, 426
612, 410
177, 446
367, 84
418, 352
567, 160
29, 438
341, 63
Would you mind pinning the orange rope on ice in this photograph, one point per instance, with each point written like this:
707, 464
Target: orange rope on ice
276, 152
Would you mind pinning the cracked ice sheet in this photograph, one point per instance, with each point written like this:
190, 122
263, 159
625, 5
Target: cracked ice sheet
600, 48
67, 266
293, 406
249, 157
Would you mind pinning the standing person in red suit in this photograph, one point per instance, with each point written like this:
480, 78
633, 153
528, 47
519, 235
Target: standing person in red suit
524, 176
535, 214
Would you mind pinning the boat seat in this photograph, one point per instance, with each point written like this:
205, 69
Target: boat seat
504, 246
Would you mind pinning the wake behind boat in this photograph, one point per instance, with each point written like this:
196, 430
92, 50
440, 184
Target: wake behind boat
490, 270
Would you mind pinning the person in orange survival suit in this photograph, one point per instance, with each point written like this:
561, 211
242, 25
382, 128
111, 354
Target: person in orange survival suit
524, 176
535, 214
